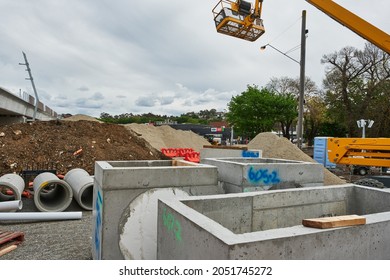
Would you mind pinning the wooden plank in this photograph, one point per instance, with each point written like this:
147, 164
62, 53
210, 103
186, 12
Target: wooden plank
9, 241
333, 222
7, 236
7, 249
181, 163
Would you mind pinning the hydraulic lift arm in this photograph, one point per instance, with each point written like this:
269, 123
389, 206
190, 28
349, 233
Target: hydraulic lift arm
360, 151
361, 27
243, 20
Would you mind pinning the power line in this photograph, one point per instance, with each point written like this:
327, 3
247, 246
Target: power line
287, 29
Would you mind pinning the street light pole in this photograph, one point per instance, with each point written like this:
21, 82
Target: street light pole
362, 124
263, 48
301, 77
302, 81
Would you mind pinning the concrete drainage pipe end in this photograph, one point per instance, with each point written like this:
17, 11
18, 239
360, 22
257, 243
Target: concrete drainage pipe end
51, 194
11, 182
82, 185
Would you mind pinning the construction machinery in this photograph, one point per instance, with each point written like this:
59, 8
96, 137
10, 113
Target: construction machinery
239, 19
243, 20
360, 151
361, 154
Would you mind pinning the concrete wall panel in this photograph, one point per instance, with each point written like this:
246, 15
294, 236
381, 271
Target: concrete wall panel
125, 202
256, 174
277, 232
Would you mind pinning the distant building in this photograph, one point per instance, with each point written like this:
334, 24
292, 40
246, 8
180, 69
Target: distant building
207, 131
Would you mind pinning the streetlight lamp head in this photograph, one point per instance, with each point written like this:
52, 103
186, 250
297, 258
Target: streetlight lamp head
263, 47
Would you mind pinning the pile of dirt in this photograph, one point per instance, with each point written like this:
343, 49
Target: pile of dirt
167, 137
279, 147
81, 117
68, 145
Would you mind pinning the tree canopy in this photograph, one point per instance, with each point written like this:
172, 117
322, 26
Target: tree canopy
257, 110
357, 87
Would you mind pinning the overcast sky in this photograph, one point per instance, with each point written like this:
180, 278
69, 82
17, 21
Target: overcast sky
164, 57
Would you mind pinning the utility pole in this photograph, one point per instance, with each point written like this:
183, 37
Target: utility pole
32, 83
302, 81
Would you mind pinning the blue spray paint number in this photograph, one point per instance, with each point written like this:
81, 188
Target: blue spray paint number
172, 224
250, 154
263, 176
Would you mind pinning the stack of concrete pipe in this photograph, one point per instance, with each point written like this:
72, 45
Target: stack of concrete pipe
51, 194
54, 194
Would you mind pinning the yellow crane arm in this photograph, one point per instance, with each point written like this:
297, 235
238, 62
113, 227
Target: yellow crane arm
229, 20
361, 27
360, 151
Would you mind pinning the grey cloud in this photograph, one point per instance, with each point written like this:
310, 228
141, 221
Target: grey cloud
88, 103
83, 88
166, 100
97, 96
145, 101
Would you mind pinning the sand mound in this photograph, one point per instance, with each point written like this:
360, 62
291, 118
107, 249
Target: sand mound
81, 117
279, 147
167, 137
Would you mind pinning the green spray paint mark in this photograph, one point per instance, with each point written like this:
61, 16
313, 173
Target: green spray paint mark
172, 224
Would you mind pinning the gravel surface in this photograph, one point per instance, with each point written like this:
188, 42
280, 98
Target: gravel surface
52, 240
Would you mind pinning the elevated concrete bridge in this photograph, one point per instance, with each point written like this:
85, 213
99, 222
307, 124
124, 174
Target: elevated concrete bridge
15, 109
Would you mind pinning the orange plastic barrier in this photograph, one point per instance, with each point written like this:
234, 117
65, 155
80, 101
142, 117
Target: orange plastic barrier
183, 151
187, 153
169, 152
192, 157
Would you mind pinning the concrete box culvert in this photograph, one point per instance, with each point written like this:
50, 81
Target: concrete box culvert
125, 202
259, 174
51, 194
268, 225
82, 185
13, 183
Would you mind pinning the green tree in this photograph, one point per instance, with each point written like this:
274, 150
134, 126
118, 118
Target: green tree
257, 110
289, 88
285, 112
315, 116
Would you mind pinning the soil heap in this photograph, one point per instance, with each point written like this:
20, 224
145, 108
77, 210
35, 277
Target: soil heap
279, 147
68, 145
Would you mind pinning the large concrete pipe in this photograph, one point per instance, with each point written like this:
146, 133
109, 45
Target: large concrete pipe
82, 185
51, 194
11, 182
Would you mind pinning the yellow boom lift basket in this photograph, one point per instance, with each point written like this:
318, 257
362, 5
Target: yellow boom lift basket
238, 19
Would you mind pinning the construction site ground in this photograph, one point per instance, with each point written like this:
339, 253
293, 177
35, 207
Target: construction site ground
38, 144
